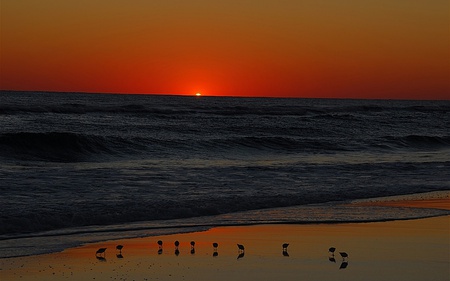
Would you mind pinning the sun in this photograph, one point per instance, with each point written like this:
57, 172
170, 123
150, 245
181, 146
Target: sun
198, 94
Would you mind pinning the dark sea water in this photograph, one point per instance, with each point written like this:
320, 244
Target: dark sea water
77, 168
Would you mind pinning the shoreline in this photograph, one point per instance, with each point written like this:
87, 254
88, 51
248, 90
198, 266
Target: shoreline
399, 250
415, 249
433, 204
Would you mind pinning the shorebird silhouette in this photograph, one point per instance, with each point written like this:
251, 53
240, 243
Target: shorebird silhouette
344, 255
215, 245
100, 252
160, 244
331, 250
119, 247
285, 252
192, 247
343, 265
332, 259
241, 248
177, 252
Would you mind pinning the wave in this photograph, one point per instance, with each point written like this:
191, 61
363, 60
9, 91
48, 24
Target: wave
75, 147
61, 146
79, 108
417, 142
211, 109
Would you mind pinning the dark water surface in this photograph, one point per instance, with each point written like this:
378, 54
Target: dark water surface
92, 160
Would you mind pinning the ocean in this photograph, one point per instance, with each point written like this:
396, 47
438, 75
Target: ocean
78, 168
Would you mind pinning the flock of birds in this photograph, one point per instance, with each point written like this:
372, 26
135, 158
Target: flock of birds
100, 254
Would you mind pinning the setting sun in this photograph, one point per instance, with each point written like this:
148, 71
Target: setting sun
314, 49
198, 94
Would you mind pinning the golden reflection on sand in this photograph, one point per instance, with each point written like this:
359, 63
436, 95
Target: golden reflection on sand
398, 250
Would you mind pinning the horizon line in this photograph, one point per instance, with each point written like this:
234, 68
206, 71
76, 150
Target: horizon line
217, 96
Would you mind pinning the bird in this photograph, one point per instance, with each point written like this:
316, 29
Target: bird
343, 255
160, 243
192, 247
331, 250
119, 247
100, 251
177, 244
215, 245
285, 245
241, 247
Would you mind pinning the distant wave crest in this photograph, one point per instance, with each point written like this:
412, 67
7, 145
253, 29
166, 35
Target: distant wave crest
273, 110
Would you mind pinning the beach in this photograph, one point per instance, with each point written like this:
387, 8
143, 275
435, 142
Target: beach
80, 172
394, 250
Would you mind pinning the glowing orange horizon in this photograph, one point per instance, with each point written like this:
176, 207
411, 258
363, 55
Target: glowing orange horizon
383, 49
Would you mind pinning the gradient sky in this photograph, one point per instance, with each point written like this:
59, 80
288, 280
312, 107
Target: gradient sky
286, 48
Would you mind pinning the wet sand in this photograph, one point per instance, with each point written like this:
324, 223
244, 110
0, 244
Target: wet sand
397, 250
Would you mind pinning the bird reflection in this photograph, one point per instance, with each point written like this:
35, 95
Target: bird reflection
192, 247
177, 252
100, 258
119, 256
160, 249
241, 250
215, 253
343, 265
241, 255
331, 257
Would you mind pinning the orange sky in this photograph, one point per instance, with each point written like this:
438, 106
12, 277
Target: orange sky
286, 48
